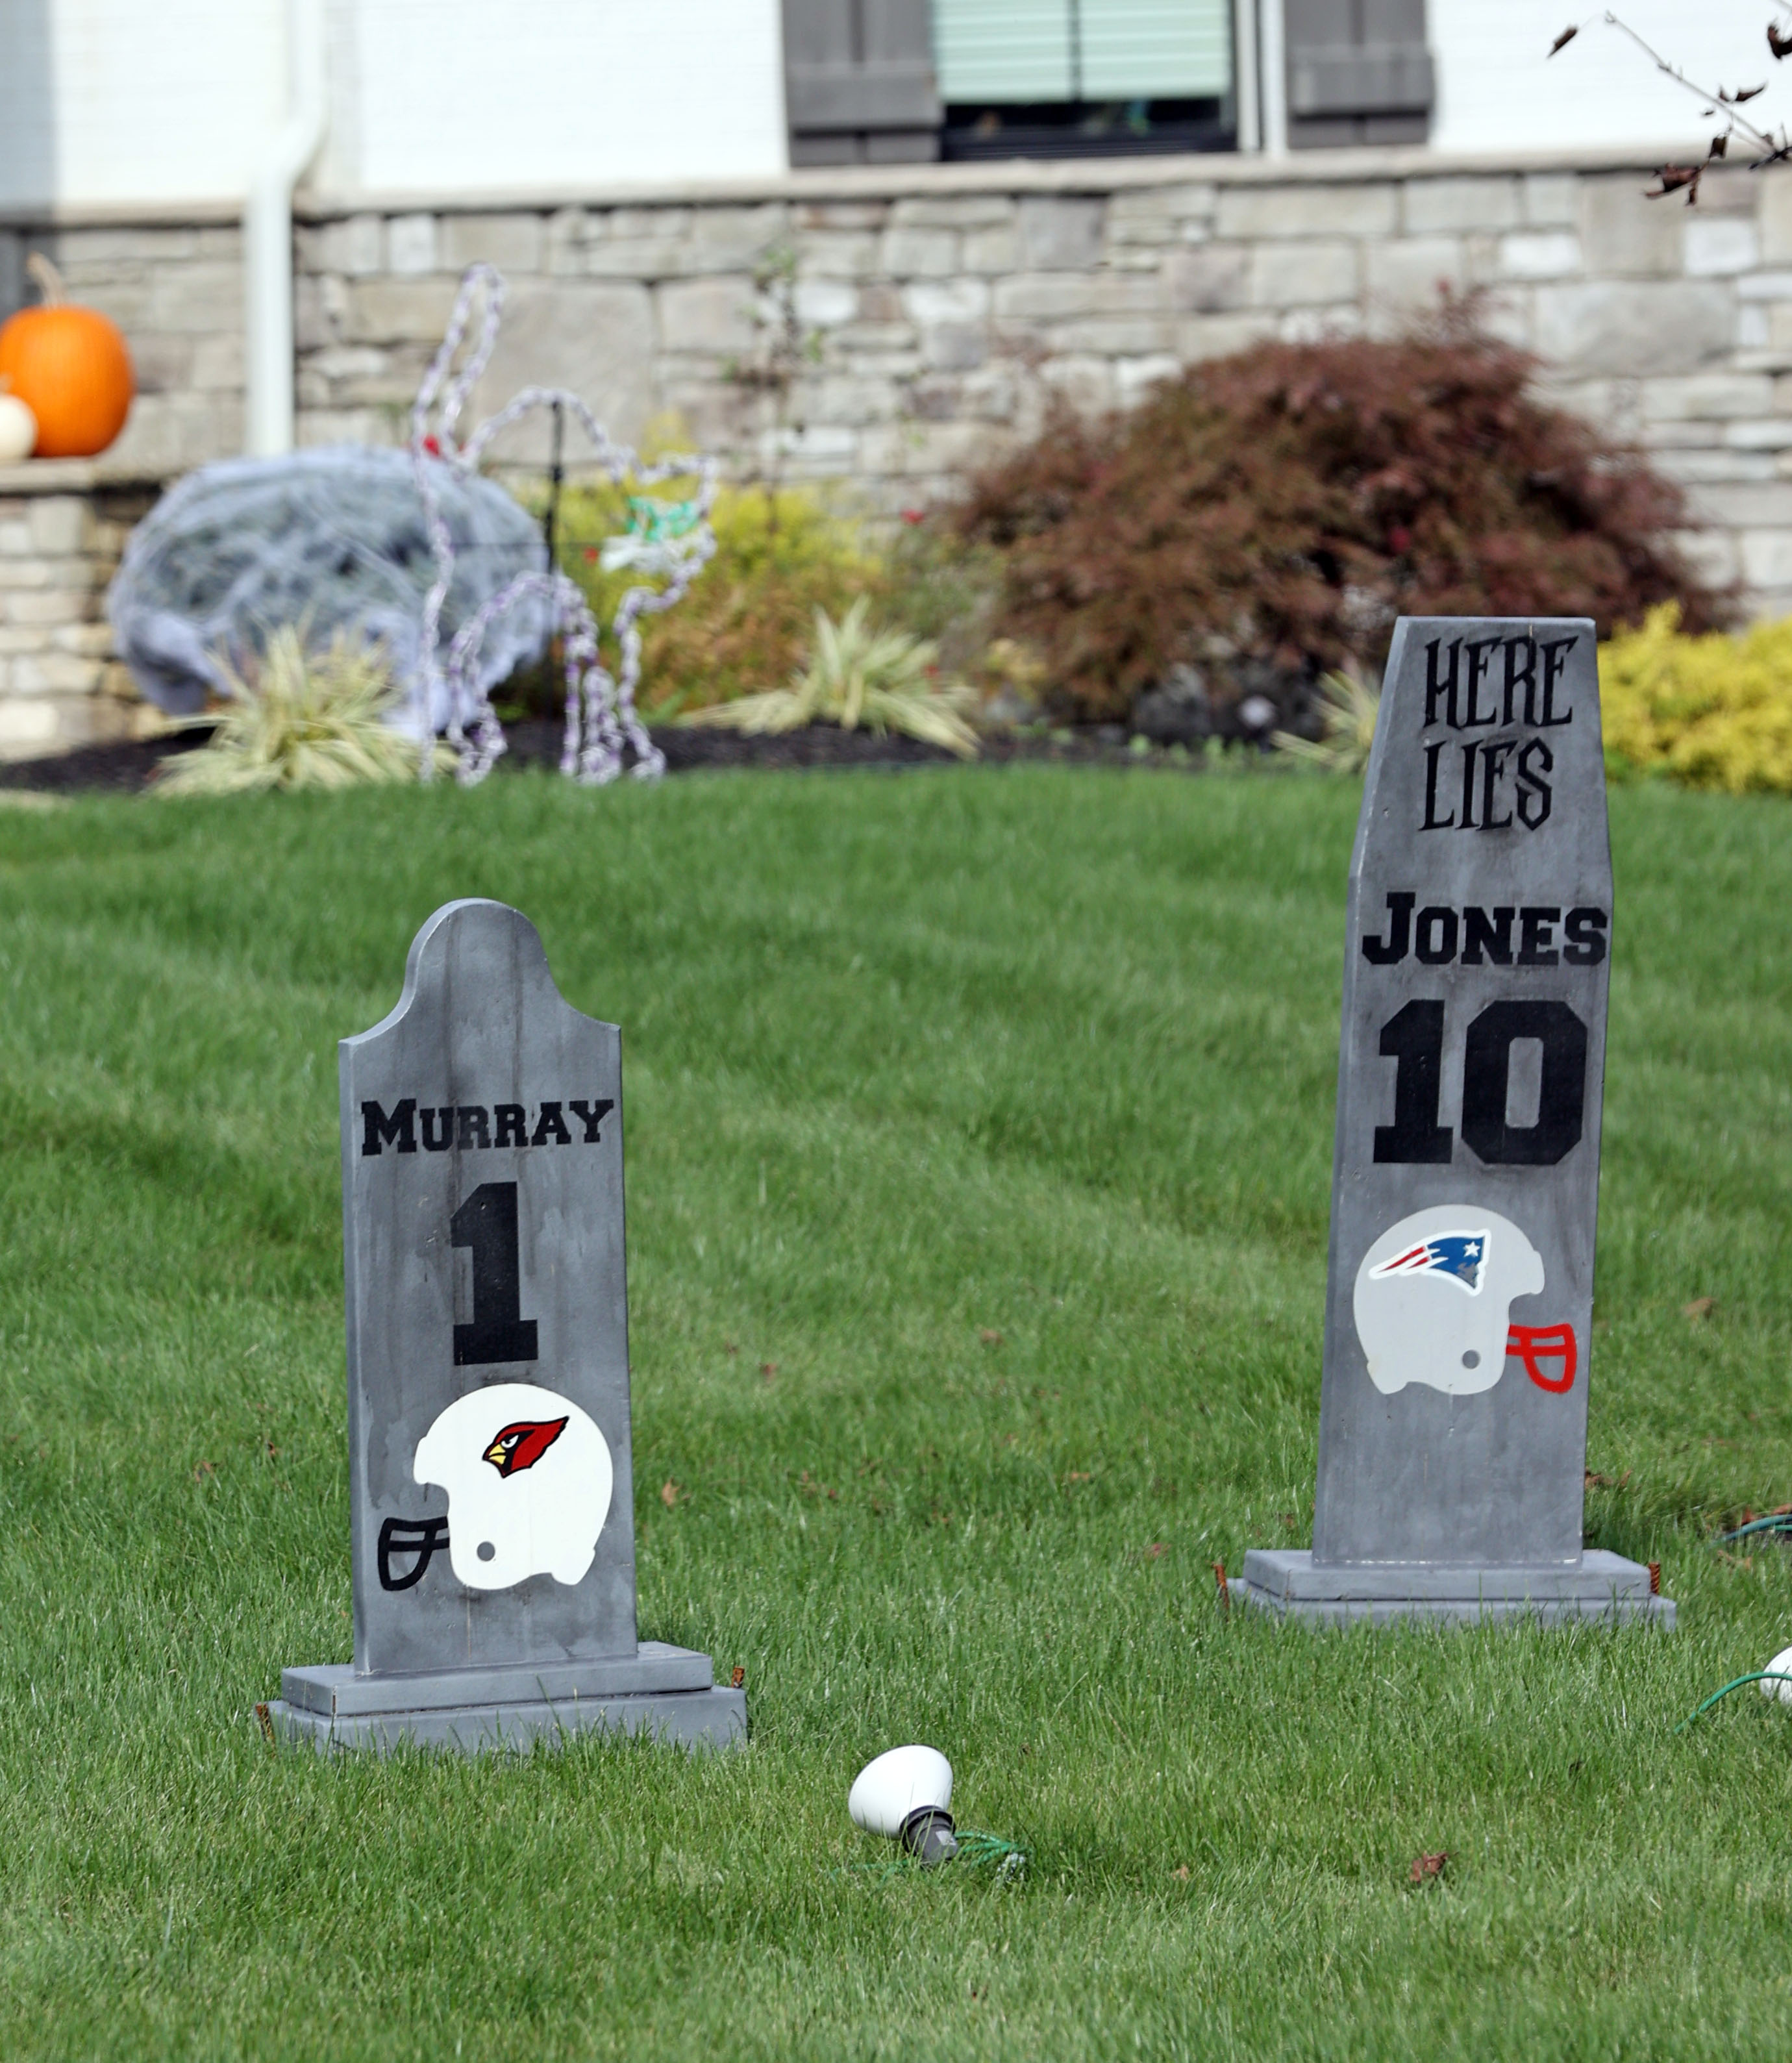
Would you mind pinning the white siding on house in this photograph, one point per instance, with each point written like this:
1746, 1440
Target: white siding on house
1497, 91
451, 95
109, 101
115, 100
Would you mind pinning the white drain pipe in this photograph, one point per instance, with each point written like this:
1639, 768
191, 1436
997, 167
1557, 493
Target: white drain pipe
1273, 78
1248, 108
267, 235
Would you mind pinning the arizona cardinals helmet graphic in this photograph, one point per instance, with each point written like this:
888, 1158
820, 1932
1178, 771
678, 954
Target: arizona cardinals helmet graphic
1432, 1303
528, 1478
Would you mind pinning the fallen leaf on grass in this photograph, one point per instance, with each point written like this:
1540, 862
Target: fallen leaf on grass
736, 1677
1700, 1307
1156, 1548
1595, 1481
730, 1346
1181, 1873
1735, 1561
669, 1493
990, 1338
1427, 1868
1079, 1475
205, 1468
768, 1369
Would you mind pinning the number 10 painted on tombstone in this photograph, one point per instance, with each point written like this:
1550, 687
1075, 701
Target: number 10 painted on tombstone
1465, 1182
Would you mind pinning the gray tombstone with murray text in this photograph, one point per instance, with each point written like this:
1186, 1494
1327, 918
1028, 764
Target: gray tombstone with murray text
490, 1478
1465, 1180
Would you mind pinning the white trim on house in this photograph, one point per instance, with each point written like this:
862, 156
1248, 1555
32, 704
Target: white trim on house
825, 182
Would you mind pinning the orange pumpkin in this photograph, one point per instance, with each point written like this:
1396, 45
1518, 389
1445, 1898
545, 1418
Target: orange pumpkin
70, 367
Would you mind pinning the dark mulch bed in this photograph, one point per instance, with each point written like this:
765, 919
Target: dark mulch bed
127, 766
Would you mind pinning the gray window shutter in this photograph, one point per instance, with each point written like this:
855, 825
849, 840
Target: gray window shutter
1359, 72
858, 81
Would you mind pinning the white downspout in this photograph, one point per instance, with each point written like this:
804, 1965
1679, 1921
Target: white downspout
1272, 72
1244, 85
267, 235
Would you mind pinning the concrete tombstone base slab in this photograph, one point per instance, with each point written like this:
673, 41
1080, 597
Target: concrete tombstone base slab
1602, 1586
659, 1689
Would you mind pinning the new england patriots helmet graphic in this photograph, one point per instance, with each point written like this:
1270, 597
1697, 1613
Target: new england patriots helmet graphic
1432, 1303
528, 1478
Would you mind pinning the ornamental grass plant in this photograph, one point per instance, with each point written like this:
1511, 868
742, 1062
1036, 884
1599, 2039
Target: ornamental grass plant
1348, 708
859, 677
302, 719
1708, 711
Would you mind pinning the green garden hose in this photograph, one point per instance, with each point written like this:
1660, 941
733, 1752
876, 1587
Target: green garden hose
1760, 1676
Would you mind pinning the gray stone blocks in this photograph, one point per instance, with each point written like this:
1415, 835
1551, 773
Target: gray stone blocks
942, 313
61, 532
1666, 323
1487, 203
1625, 326
1302, 275
1602, 1588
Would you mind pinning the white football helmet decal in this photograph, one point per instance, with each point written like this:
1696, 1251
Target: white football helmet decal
1433, 1295
528, 1478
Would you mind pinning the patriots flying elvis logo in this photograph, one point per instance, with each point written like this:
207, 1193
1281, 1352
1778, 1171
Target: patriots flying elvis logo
1461, 1257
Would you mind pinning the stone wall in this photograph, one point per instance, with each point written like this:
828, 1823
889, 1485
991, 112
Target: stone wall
61, 531
948, 302
175, 287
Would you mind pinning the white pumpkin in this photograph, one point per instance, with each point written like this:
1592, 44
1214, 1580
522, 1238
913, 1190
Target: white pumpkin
19, 428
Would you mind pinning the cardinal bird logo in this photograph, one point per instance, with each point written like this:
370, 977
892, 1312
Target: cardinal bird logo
522, 1444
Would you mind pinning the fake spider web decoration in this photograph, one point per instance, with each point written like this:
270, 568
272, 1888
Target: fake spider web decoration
672, 541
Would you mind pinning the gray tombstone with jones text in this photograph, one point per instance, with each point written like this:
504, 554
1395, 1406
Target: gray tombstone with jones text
1465, 1181
490, 1471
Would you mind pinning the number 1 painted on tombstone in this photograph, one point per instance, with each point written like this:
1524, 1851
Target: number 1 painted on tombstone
486, 1223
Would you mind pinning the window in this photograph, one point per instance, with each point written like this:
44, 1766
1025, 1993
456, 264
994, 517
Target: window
1029, 77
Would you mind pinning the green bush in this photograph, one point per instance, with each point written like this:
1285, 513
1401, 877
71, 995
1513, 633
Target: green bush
745, 623
1709, 712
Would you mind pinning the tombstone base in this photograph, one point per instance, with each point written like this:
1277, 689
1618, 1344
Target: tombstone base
669, 1692
1286, 1581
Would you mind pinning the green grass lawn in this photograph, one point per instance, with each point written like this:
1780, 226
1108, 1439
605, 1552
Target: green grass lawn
979, 1131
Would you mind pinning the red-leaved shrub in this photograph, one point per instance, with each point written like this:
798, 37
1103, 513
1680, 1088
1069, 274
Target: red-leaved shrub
1287, 503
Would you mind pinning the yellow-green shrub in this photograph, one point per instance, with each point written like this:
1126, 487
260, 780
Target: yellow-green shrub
746, 621
1711, 711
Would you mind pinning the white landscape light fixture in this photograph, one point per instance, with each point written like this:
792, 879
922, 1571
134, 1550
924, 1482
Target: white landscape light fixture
907, 1795
1776, 1681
